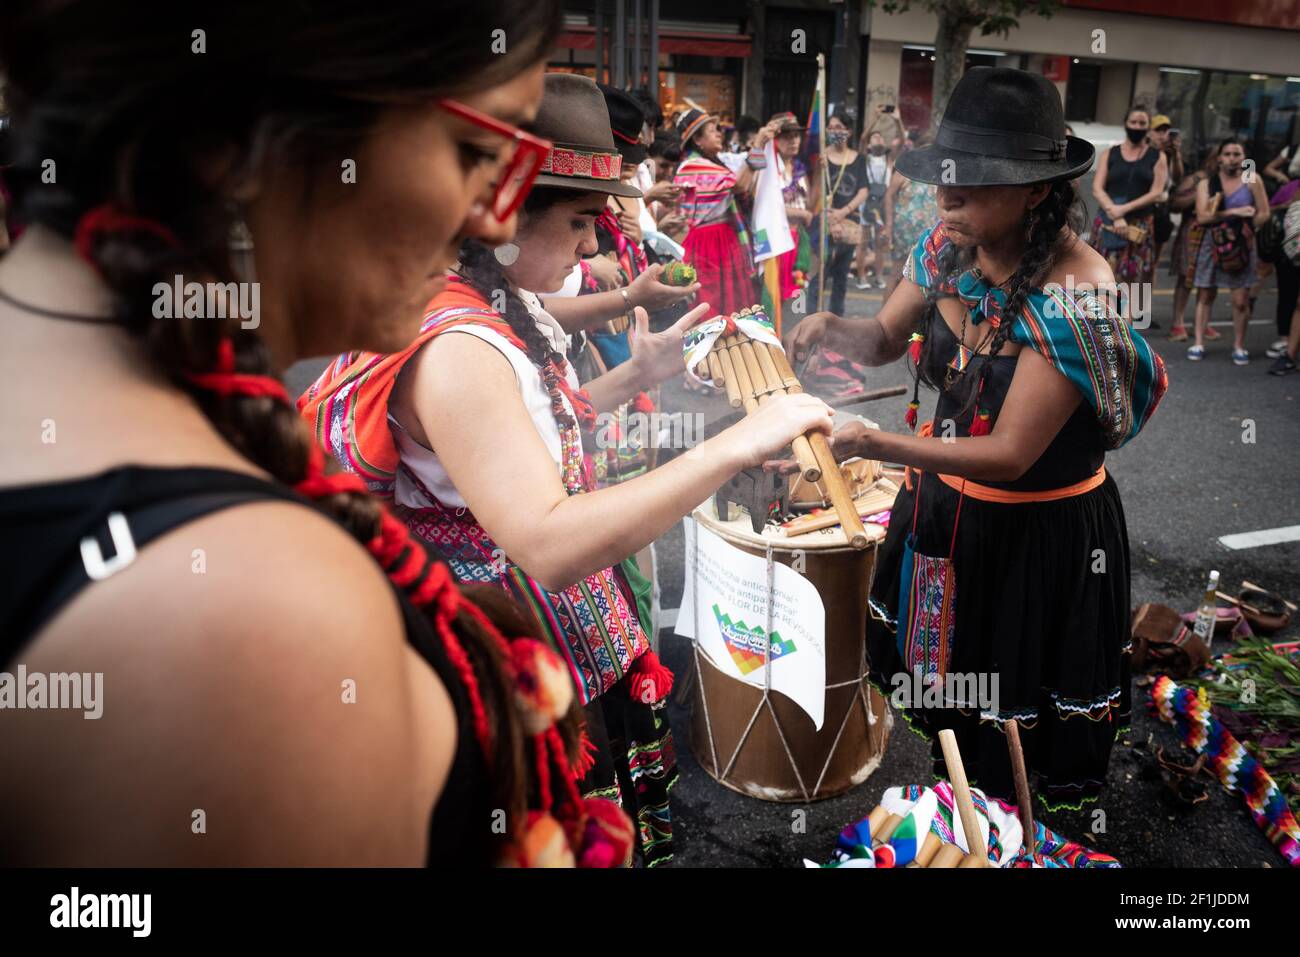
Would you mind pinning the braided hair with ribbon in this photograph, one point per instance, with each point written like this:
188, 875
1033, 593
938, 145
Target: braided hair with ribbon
1046, 240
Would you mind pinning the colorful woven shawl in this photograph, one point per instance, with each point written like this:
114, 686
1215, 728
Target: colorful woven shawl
1237, 769
1116, 370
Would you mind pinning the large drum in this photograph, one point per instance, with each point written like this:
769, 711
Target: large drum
762, 743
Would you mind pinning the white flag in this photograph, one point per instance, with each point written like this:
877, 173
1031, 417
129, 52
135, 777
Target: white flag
771, 228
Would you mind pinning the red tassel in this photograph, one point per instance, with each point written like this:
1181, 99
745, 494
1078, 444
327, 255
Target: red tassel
643, 404
980, 424
587, 751
914, 350
910, 415
651, 680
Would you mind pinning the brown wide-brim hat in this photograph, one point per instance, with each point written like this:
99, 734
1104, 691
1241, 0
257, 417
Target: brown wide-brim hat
584, 158
1002, 127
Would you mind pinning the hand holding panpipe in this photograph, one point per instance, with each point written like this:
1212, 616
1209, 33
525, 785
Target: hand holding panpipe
752, 372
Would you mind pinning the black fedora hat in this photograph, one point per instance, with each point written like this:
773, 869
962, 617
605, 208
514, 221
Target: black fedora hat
574, 118
1002, 127
626, 119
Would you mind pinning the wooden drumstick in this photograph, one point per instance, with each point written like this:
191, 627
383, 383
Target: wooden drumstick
961, 794
1024, 799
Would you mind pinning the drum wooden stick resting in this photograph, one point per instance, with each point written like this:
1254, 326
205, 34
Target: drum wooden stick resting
961, 795
1024, 800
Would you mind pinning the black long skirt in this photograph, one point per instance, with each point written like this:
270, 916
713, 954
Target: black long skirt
635, 765
1041, 617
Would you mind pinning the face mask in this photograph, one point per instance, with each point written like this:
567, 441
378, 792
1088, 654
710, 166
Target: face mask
837, 137
1135, 136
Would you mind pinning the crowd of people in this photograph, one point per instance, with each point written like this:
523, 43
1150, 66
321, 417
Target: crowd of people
490, 253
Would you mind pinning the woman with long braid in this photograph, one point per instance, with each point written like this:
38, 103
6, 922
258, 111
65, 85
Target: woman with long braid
1006, 563
268, 696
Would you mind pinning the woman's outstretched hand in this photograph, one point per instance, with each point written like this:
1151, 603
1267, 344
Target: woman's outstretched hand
658, 355
810, 332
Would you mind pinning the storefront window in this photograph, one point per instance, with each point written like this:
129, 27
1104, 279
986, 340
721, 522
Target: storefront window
1208, 105
713, 92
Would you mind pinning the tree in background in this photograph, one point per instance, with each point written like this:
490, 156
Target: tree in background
957, 20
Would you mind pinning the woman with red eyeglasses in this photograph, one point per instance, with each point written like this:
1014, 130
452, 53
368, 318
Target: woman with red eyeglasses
275, 671
477, 431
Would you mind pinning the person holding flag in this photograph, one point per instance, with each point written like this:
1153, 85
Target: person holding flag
793, 266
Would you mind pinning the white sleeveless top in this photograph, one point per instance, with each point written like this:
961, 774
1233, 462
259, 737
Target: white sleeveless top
424, 463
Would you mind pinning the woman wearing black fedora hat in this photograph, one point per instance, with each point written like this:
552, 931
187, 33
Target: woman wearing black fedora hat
480, 436
1007, 492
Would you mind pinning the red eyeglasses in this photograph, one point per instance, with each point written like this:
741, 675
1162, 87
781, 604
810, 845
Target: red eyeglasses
521, 169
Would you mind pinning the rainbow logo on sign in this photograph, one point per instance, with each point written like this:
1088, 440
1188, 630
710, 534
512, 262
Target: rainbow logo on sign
747, 645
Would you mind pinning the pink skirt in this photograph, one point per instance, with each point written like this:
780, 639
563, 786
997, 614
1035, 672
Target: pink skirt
723, 268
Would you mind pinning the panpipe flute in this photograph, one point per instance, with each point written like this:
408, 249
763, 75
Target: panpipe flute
752, 372
933, 852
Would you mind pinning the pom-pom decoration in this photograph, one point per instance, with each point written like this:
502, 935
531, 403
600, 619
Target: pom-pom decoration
543, 688
544, 844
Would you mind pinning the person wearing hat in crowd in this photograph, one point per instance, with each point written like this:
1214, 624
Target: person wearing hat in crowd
717, 242
1131, 177
620, 229
480, 442
793, 266
1164, 225
1007, 553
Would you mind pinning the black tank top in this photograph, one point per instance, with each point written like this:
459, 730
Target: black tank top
1127, 181
47, 530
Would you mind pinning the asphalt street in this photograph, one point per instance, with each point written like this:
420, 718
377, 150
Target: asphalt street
1218, 458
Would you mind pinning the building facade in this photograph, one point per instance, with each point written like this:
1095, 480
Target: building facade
1215, 68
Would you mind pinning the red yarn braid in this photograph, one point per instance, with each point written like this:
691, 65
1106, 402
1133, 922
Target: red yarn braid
105, 220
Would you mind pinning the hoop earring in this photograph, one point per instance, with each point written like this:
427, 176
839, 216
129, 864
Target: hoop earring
239, 241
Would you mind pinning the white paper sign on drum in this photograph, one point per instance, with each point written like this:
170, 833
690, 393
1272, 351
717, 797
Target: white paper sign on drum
730, 587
